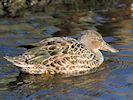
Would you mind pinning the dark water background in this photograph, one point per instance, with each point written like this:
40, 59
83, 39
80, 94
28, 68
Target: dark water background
115, 82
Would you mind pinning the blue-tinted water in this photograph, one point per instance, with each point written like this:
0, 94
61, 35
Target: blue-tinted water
115, 82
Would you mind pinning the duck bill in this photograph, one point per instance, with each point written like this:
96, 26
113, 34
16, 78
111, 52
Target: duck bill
107, 47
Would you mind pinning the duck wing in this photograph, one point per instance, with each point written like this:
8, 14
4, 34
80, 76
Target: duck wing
44, 49
48, 41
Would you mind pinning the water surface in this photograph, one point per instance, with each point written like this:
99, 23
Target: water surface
115, 82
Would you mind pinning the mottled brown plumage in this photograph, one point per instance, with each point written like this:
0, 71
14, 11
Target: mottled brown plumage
62, 55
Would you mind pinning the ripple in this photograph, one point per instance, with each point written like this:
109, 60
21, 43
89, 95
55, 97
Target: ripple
115, 82
110, 39
50, 30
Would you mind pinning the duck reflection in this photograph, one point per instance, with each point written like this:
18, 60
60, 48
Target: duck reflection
40, 86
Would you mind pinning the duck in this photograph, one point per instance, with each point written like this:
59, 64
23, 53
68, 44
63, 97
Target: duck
64, 55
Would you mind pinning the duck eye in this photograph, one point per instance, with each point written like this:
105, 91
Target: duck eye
100, 40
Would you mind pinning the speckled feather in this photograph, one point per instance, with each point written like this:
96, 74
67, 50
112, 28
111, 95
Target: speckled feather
57, 55
62, 55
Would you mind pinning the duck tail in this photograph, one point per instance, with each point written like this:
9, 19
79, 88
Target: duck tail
10, 59
18, 61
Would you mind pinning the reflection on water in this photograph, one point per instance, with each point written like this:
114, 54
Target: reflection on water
115, 82
49, 87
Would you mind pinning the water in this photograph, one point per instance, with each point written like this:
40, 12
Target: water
115, 82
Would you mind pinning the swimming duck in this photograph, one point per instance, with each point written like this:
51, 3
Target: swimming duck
63, 55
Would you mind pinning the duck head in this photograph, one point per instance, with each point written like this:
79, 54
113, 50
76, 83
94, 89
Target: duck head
93, 40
